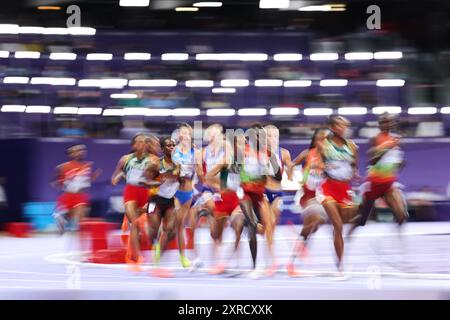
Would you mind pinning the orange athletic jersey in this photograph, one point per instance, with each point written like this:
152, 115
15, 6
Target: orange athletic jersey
386, 168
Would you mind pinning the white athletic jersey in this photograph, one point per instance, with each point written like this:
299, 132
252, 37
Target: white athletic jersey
134, 170
394, 156
75, 176
77, 184
338, 161
186, 161
230, 178
169, 187
211, 159
271, 169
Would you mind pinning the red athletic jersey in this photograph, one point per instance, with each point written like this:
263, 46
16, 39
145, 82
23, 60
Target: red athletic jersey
75, 176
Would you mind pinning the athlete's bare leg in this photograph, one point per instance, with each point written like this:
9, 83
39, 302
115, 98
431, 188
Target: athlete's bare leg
312, 220
252, 220
269, 226
154, 224
238, 226
132, 213
182, 213
332, 209
364, 211
395, 201
311, 224
169, 228
219, 226
79, 213
275, 216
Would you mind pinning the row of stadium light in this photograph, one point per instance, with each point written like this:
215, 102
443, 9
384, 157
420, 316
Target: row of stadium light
227, 83
227, 112
75, 31
263, 4
194, 8
143, 56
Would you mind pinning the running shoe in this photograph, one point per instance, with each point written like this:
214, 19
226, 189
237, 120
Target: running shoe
134, 265
255, 274
196, 264
272, 270
157, 254
185, 261
340, 275
303, 252
60, 223
217, 269
291, 271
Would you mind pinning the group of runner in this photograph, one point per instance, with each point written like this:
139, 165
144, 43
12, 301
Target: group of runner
235, 180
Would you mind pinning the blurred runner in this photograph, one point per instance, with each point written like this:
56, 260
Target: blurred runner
73, 178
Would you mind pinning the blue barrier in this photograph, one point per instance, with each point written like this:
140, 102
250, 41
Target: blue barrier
40, 215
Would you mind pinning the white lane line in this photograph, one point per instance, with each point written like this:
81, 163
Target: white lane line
32, 288
312, 275
17, 255
256, 284
65, 258
156, 284
409, 275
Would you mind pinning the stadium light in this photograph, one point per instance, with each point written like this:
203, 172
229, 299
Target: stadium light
422, 110
235, 83
220, 112
153, 83
324, 56
388, 109
352, 111
268, 83
317, 111
252, 112
13, 108
284, 111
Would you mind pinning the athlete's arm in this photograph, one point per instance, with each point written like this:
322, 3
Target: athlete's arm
211, 176
286, 158
354, 148
274, 163
96, 173
198, 165
300, 158
152, 172
118, 172
373, 152
320, 145
402, 165
376, 151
